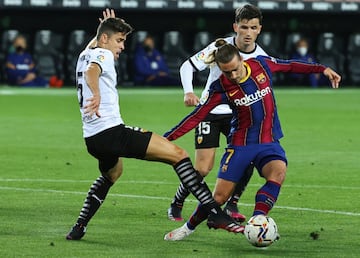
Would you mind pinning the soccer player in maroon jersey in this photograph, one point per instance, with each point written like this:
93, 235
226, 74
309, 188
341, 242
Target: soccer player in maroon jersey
255, 127
247, 26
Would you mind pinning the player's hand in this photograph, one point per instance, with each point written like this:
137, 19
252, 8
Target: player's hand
92, 106
333, 76
108, 13
190, 99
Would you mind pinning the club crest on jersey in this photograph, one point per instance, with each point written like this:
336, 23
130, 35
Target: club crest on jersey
203, 99
100, 58
260, 78
224, 168
199, 139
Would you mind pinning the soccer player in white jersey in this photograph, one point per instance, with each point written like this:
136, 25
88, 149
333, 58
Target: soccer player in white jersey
247, 26
107, 137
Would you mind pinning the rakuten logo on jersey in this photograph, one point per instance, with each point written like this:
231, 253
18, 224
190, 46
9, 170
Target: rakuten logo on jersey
250, 99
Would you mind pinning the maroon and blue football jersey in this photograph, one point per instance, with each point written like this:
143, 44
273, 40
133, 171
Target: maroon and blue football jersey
255, 118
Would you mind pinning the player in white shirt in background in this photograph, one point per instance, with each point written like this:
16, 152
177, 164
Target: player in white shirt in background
247, 26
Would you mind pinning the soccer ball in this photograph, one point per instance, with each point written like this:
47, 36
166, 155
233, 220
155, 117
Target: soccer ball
261, 231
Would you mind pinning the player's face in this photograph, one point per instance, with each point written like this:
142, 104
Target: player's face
115, 43
233, 70
247, 32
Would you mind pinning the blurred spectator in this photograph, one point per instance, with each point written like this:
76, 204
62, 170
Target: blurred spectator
20, 67
150, 66
330, 52
174, 51
353, 57
302, 53
48, 55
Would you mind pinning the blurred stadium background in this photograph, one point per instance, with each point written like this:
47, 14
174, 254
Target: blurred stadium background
59, 28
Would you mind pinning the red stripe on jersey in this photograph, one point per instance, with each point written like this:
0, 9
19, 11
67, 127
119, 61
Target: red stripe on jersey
243, 114
268, 103
194, 118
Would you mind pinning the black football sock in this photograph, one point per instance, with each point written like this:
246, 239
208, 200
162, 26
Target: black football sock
181, 194
194, 182
241, 185
96, 196
198, 216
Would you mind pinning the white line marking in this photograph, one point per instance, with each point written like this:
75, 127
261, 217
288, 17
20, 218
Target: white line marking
167, 183
156, 91
169, 199
72, 91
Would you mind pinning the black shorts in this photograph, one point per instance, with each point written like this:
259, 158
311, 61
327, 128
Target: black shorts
207, 133
119, 141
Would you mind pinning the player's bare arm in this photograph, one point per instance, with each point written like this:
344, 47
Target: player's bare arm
334, 77
92, 78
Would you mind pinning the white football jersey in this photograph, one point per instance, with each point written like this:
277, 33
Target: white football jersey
198, 60
109, 103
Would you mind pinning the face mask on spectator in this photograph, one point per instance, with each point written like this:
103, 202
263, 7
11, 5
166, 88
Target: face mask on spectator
19, 49
302, 51
147, 48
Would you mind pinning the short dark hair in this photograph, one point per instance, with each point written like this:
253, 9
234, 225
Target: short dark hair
113, 25
223, 53
248, 12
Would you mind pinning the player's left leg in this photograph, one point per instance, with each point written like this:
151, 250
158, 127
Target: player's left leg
222, 191
160, 149
204, 162
94, 199
207, 135
274, 172
107, 147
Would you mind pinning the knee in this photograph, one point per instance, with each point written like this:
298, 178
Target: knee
203, 169
220, 198
113, 177
275, 171
180, 153
277, 176
204, 164
114, 173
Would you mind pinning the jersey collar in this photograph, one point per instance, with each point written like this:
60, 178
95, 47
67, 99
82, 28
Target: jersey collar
248, 73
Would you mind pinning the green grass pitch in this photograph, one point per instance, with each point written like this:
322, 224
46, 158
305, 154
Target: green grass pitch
46, 172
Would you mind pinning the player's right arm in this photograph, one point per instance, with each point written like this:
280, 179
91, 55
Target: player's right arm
92, 75
186, 76
195, 63
198, 114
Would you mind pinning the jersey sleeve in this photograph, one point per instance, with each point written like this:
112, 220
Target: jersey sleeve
198, 60
293, 65
197, 115
103, 57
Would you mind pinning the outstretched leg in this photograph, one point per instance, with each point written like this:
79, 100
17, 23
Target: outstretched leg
161, 149
204, 162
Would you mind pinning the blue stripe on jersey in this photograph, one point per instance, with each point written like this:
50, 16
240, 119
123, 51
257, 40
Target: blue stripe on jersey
255, 117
